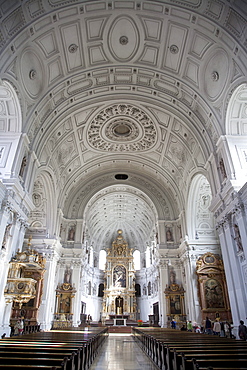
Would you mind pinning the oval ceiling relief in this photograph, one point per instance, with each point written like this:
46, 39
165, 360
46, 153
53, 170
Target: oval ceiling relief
122, 127
32, 73
216, 74
123, 39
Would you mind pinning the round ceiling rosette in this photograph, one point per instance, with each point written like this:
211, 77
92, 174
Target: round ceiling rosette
122, 127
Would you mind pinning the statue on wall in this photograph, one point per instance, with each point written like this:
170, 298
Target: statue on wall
67, 276
238, 237
36, 199
6, 236
23, 166
172, 277
169, 236
71, 233
222, 169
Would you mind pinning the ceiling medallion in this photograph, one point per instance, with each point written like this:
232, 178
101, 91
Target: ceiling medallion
32, 74
174, 49
215, 76
123, 40
122, 127
73, 48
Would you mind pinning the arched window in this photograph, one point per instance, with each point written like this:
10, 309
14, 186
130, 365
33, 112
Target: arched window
89, 288
148, 257
149, 288
102, 259
101, 290
137, 259
201, 224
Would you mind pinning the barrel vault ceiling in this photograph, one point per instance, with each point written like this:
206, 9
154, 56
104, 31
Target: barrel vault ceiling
123, 101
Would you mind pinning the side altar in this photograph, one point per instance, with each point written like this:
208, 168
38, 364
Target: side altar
119, 301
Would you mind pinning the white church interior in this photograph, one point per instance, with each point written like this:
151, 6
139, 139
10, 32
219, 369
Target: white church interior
123, 162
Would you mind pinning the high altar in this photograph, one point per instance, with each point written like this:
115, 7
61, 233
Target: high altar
119, 301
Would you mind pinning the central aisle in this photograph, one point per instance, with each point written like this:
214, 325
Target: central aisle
121, 352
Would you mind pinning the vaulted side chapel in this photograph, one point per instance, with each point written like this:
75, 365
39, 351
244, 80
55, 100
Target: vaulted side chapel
123, 162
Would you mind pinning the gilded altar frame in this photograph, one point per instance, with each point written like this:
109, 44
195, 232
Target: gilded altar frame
175, 307
212, 288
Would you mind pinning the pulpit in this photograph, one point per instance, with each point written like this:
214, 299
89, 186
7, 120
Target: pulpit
24, 285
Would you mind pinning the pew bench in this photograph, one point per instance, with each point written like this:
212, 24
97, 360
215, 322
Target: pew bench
30, 367
177, 350
181, 361
25, 361
79, 349
199, 364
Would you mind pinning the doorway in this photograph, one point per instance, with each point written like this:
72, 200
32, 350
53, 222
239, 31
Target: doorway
156, 313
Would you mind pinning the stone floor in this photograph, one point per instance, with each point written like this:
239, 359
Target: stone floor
120, 352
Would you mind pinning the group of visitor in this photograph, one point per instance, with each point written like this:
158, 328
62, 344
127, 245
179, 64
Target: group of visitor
220, 328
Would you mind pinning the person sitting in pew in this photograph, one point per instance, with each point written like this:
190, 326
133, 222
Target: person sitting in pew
183, 328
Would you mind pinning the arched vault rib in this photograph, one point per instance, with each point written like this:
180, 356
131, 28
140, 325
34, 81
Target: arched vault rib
166, 197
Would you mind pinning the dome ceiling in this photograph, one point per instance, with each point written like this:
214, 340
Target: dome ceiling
121, 87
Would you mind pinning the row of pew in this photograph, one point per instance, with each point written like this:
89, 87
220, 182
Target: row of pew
178, 350
53, 350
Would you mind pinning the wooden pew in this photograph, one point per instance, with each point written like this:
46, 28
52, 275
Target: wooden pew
184, 362
29, 367
175, 350
80, 349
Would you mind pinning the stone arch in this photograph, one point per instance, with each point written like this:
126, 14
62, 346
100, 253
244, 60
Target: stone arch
10, 128
200, 220
236, 116
10, 110
236, 135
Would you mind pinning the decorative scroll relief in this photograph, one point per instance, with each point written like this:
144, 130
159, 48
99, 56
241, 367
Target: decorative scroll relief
122, 127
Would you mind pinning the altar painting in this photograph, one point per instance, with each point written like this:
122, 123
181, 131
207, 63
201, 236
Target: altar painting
119, 276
